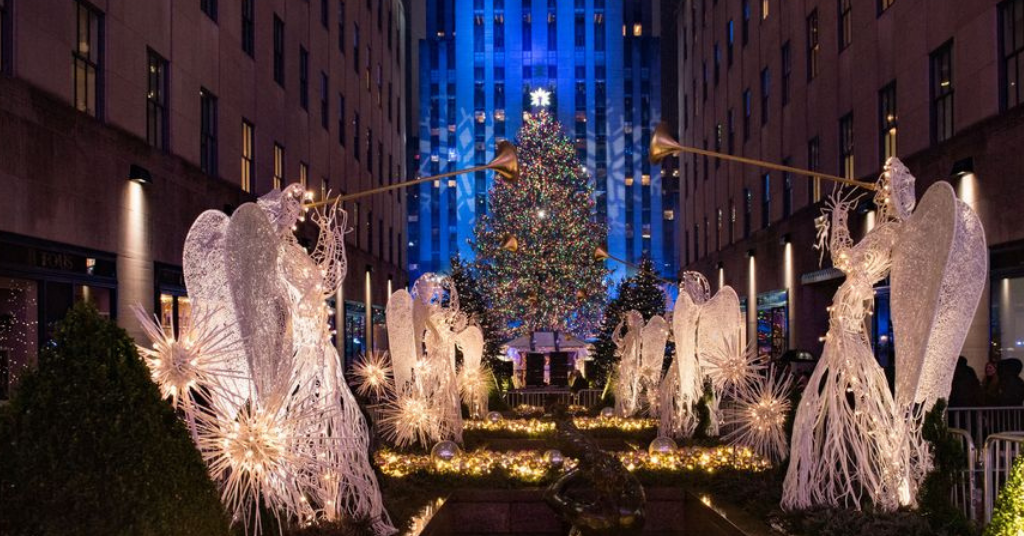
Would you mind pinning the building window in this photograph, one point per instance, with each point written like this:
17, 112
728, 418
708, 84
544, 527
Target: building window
304, 78
355, 48
766, 83
278, 166
369, 150
845, 24
341, 26
1011, 13
156, 101
324, 98
355, 136
249, 27
730, 37
746, 114
787, 71
303, 174
731, 126
87, 60
748, 210
324, 14
787, 190
813, 45
766, 200
846, 146
278, 51
942, 92
208, 132
814, 164
884, 5
210, 8
5, 35
717, 56
341, 119
248, 155
887, 120
745, 26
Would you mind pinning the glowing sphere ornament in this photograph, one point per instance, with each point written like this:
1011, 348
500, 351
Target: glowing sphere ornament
445, 451
662, 445
494, 416
607, 413
554, 458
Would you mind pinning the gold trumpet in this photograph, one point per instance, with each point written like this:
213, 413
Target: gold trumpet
664, 145
505, 163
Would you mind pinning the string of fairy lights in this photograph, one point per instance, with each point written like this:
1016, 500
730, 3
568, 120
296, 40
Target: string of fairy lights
534, 466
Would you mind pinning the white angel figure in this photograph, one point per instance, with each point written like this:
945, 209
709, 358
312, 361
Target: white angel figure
683, 387
848, 437
427, 403
294, 438
474, 381
654, 337
627, 377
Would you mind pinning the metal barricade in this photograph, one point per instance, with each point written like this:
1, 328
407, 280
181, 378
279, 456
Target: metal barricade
998, 454
589, 398
964, 495
981, 422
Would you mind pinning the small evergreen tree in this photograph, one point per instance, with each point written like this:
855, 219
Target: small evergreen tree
88, 446
640, 292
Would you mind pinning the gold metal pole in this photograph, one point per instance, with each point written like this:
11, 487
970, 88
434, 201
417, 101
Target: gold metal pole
663, 145
601, 254
505, 163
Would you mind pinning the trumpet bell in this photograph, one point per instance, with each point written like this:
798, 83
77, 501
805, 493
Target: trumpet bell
505, 161
510, 244
600, 254
663, 144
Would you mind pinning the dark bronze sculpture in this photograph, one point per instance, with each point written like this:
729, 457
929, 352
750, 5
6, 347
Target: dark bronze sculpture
599, 496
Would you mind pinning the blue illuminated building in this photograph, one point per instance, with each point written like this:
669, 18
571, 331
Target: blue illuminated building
479, 62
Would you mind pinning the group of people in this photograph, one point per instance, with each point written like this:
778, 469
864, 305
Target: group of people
1000, 386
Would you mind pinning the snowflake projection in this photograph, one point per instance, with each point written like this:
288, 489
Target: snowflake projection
257, 375
372, 375
758, 417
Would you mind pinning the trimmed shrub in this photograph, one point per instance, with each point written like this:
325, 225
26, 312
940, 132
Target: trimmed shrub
88, 446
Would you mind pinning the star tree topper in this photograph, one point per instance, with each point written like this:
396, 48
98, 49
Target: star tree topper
540, 97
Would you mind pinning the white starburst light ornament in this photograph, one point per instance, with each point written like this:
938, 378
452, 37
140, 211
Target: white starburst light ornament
409, 419
758, 418
372, 375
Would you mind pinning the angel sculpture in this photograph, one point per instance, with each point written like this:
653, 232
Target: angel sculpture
474, 376
851, 437
627, 377
709, 346
424, 328
278, 425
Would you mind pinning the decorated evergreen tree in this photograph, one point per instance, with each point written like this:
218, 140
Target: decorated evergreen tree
547, 280
1008, 515
641, 292
471, 302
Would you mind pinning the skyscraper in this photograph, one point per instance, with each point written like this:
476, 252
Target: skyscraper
482, 63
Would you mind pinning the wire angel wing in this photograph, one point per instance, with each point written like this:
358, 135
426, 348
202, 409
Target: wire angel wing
940, 262
402, 337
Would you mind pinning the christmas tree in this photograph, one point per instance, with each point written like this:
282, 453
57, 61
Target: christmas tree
551, 280
1008, 515
640, 292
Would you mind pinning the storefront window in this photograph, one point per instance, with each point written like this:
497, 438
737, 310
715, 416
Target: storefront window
355, 331
772, 324
380, 329
881, 334
175, 311
19, 333
1008, 317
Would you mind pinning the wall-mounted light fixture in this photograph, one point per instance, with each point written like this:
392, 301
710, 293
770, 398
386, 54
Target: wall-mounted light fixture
964, 166
139, 174
784, 239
